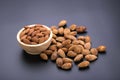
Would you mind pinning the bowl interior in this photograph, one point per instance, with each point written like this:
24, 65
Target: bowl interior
18, 36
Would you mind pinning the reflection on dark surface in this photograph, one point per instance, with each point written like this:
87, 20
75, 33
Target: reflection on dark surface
31, 59
64, 69
84, 69
82, 34
103, 53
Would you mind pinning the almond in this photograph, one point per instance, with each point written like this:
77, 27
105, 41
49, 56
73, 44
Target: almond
62, 23
61, 31
90, 57
67, 66
59, 62
54, 56
73, 27
66, 31
43, 56
71, 54
94, 51
67, 60
83, 64
61, 53
87, 45
78, 58
101, 48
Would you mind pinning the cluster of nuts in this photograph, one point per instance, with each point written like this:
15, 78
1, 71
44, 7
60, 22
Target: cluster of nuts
67, 48
34, 35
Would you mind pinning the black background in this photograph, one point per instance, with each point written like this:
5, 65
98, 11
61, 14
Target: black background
102, 18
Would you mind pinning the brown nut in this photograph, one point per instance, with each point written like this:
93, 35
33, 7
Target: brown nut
54, 56
83, 64
68, 46
61, 53
78, 58
67, 60
24, 37
67, 66
55, 31
53, 27
90, 57
34, 34
73, 27
94, 51
81, 38
64, 49
71, 37
75, 42
81, 29
101, 48
48, 52
22, 34
29, 38
54, 41
54, 36
53, 47
87, 39
66, 42
62, 23
35, 39
30, 31
26, 41
46, 37
59, 45
74, 33
75, 48
87, 45
81, 42
61, 31
37, 34
42, 29
85, 52
43, 56
59, 62
71, 54
66, 31
41, 40
60, 39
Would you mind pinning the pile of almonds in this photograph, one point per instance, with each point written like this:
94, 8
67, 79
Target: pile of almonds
34, 35
67, 48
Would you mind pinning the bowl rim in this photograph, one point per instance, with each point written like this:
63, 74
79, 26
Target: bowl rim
29, 45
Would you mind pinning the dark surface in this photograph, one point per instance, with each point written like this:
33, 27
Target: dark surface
102, 18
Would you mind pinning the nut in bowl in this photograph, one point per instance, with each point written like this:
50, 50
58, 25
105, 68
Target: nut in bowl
34, 38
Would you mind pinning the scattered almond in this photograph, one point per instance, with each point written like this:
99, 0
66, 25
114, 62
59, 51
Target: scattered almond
78, 58
83, 64
61, 53
67, 66
94, 51
43, 56
71, 54
73, 27
90, 57
54, 56
101, 48
62, 23
67, 60
87, 45
59, 62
